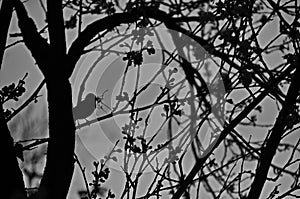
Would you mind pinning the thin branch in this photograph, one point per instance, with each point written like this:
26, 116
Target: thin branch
82, 169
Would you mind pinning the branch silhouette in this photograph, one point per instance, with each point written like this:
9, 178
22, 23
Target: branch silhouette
229, 31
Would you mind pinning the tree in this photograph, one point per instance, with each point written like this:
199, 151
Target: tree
226, 74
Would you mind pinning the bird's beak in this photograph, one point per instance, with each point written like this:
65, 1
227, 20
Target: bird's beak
97, 99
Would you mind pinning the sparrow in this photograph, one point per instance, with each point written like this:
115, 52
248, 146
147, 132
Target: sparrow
85, 108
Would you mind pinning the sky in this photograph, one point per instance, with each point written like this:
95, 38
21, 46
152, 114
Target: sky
94, 142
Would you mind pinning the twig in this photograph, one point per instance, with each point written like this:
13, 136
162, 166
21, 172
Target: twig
83, 175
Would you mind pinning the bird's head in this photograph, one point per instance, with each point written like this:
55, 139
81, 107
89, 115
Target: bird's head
91, 98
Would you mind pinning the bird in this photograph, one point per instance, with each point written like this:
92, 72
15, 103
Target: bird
85, 108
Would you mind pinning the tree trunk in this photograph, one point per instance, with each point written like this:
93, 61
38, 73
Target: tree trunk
13, 186
60, 162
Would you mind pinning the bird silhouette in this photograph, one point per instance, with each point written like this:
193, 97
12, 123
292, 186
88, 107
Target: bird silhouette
85, 108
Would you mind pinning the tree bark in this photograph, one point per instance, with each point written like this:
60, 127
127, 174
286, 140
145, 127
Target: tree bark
51, 58
60, 162
5, 16
273, 141
14, 185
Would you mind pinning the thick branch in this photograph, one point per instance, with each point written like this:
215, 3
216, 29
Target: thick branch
107, 23
37, 45
56, 31
14, 185
60, 162
5, 16
276, 135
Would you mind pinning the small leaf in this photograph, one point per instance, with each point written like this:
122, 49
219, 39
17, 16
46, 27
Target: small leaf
230, 101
